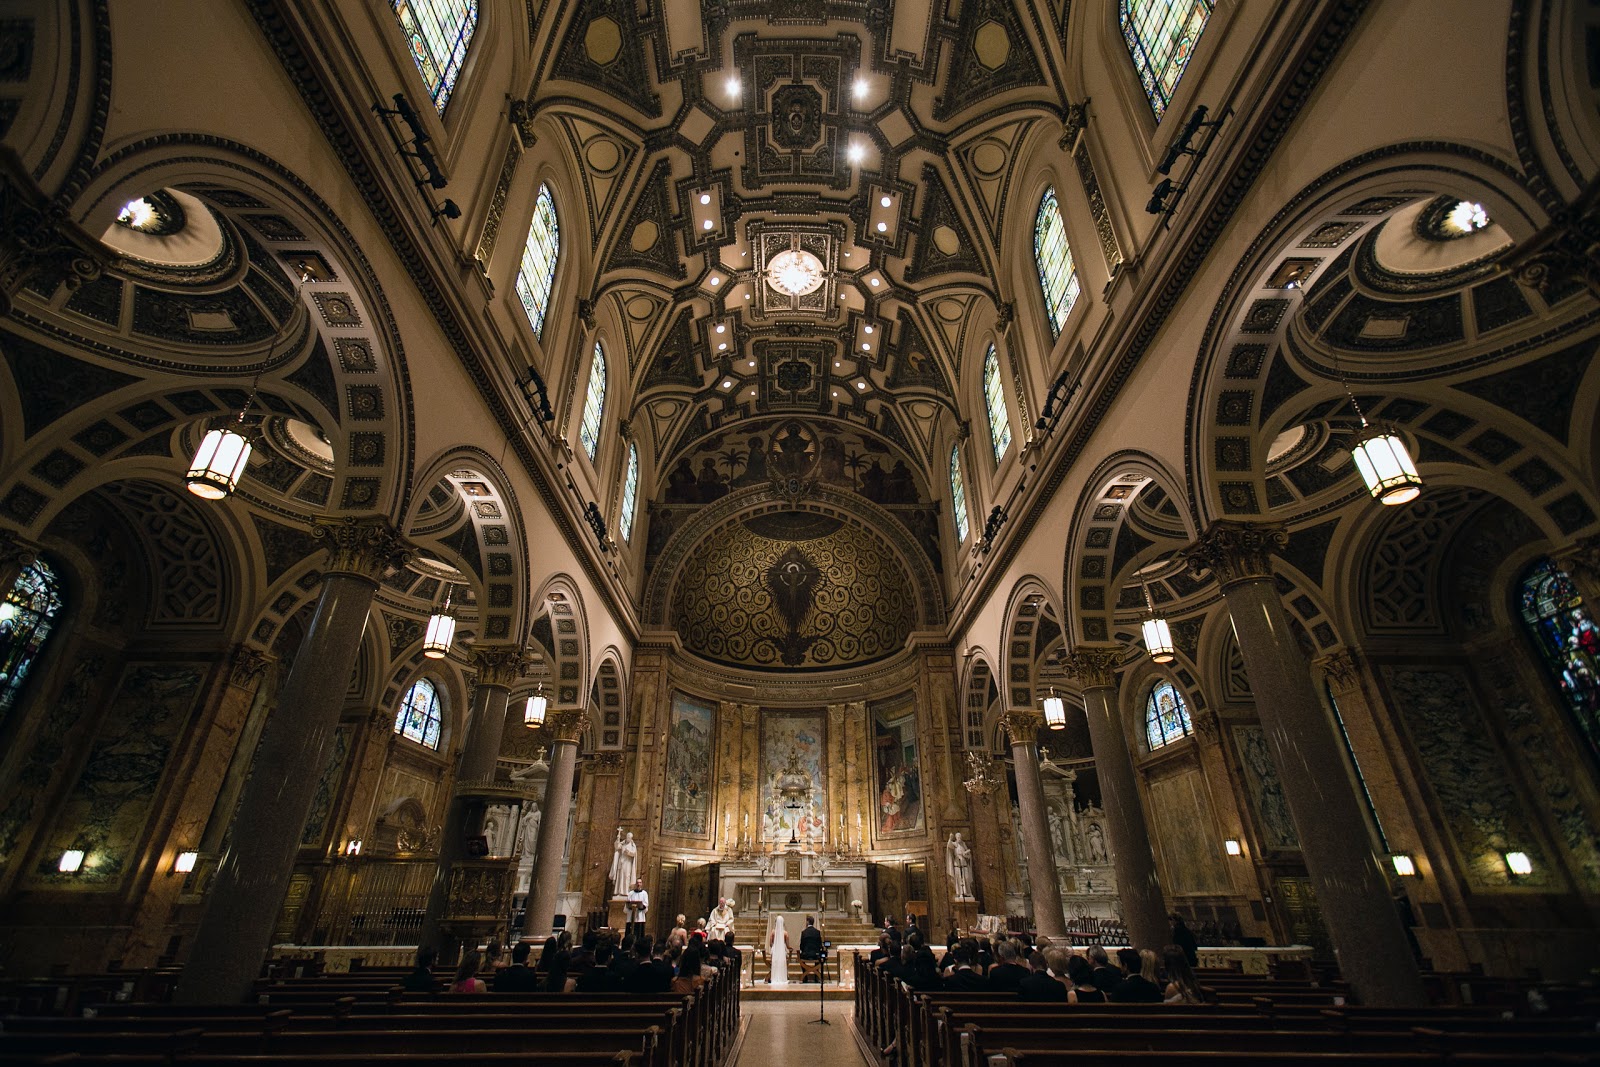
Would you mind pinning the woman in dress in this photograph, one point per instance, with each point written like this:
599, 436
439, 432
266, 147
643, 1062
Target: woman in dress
465, 981
778, 954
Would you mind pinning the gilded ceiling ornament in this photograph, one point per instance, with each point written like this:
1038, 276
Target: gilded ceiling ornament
795, 272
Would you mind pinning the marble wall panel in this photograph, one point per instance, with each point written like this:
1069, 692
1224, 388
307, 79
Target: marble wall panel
1273, 822
1189, 854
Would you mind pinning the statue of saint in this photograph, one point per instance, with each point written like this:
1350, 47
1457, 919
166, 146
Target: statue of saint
1097, 843
958, 865
624, 864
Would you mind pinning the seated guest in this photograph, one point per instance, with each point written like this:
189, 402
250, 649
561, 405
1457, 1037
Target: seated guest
922, 973
1040, 984
519, 977
1182, 988
420, 980
1081, 975
555, 980
653, 976
548, 953
1007, 974
600, 978
1141, 986
678, 931
964, 977
731, 953
689, 977
880, 953
492, 960
1106, 975
466, 980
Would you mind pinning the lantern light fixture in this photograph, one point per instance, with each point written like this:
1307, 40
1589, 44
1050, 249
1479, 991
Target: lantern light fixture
1232, 847
1381, 457
533, 714
185, 862
1055, 712
1157, 634
441, 631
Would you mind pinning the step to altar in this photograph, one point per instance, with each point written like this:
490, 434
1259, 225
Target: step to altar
795, 991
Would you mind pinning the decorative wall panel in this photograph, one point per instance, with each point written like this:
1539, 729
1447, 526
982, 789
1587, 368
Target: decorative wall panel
794, 787
1186, 840
1266, 790
687, 798
896, 767
327, 788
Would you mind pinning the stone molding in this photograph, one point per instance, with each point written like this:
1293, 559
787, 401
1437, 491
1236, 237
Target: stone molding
40, 246
368, 547
1236, 551
1342, 669
1565, 251
606, 763
1095, 666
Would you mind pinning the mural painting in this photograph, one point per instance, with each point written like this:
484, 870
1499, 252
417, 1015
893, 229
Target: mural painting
794, 792
896, 766
688, 798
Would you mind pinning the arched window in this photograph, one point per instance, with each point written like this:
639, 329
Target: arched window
1161, 35
538, 272
594, 403
419, 717
1057, 276
958, 495
1569, 642
630, 493
994, 398
1166, 716
27, 615
438, 33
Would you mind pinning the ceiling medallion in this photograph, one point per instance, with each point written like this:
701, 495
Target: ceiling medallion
795, 272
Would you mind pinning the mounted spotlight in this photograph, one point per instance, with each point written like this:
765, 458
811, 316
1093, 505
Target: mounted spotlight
1055, 401
533, 714
538, 398
1055, 712
1157, 635
441, 630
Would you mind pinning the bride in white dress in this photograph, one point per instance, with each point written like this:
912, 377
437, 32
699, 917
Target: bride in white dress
778, 954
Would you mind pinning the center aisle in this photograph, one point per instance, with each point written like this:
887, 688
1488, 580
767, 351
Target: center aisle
785, 1033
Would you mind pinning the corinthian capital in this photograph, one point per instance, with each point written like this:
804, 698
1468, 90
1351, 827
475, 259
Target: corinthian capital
1094, 666
1023, 725
1341, 668
1236, 551
568, 724
499, 665
248, 665
369, 547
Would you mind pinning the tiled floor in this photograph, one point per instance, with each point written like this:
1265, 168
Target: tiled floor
786, 1034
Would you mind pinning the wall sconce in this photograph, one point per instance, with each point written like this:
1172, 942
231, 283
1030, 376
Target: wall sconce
1519, 864
353, 848
184, 864
71, 861
1404, 865
1232, 847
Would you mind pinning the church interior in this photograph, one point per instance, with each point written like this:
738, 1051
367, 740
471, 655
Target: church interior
1043, 465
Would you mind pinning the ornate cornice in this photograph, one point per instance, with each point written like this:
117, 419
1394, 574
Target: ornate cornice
369, 547
1236, 551
1022, 725
499, 665
568, 724
1094, 666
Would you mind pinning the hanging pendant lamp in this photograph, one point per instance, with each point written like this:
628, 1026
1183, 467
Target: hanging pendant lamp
220, 460
1055, 712
1381, 457
1157, 635
533, 714
441, 631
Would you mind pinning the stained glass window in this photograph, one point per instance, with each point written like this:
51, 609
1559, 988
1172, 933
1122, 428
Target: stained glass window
994, 398
1161, 35
419, 718
538, 272
438, 33
1569, 642
630, 493
1057, 276
27, 615
1166, 716
958, 495
594, 403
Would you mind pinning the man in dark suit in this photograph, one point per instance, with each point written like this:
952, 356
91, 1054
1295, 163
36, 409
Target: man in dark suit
811, 940
1007, 974
963, 977
519, 977
1106, 975
1135, 987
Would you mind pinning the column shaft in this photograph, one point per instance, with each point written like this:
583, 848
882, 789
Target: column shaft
1048, 917
536, 922
1143, 907
247, 892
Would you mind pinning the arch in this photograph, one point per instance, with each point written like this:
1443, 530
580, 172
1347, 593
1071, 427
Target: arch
1032, 631
994, 403
560, 627
1161, 36
608, 700
980, 699
958, 497
536, 276
594, 403
438, 34
420, 715
1052, 256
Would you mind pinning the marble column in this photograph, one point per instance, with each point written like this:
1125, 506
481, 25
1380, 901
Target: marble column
15, 554
497, 667
1048, 917
566, 726
1138, 886
247, 893
1352, 891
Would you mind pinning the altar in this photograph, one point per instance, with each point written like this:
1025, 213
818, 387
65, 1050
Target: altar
793, 883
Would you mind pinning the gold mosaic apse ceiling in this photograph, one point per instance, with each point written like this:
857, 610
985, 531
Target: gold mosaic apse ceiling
793, 589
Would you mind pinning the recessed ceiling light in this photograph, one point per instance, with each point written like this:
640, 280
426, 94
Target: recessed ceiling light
885, 202
837, 365
883, 227
727, 383
722, 328
733, 85
706, 225
874, 283
715, 280
723, 347
856, 153
861, 88
861, 385
865, 347
705, 198
747, 296
867, 328
751, 364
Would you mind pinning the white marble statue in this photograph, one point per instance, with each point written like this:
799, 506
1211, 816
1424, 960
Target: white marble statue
958, 865
1097, 843
497, 828
528, 839
624, 864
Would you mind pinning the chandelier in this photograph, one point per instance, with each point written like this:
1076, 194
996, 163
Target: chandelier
795, 272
